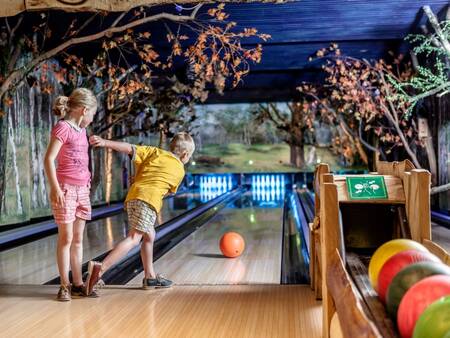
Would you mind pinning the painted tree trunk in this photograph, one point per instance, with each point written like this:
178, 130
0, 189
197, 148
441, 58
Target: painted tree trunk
39, 129
444, 168
297, 155
444, 149
108, 165
162, 139
46, 120
296, 142
429, 147
3, 143
15, 169
431, 154
34, 154
96, 172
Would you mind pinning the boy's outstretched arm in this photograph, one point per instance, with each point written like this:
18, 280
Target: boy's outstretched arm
123, 147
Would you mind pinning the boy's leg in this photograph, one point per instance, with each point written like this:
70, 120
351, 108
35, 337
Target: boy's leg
76, 251
121, 249
96, 269
151, 279
147, 253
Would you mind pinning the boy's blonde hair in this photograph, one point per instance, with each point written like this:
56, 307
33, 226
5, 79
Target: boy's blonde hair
182, 142
80, 98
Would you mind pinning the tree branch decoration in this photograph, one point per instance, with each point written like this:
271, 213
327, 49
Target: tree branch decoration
431, 79
359, 98
210, 46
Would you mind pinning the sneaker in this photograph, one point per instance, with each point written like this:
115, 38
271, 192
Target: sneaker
80, 291
93, 277
63, 294
158, 282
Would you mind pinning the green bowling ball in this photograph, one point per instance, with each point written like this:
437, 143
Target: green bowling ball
406, 278
434, 322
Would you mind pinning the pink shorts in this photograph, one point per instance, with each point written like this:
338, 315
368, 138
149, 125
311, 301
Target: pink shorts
77, 204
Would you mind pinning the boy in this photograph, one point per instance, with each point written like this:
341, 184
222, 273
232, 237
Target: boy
158, 172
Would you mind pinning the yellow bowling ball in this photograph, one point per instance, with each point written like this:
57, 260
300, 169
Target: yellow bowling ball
386, 251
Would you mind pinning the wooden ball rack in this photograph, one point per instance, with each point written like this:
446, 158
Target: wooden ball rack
339, 270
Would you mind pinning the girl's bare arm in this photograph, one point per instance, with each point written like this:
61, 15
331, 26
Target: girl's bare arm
56, 195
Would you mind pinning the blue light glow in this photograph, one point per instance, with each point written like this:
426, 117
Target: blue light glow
267, 188
211, 186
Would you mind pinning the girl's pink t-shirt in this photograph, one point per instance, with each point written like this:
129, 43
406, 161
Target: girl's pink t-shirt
73, 158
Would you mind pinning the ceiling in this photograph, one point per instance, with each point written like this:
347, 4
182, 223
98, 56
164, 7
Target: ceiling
364, 29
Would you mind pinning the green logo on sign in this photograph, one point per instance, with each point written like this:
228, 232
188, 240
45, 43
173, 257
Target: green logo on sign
366, 188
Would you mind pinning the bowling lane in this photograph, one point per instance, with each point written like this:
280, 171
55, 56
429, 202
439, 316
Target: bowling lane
35, 262
257, 216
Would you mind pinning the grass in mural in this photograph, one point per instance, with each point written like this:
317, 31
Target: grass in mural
237, 157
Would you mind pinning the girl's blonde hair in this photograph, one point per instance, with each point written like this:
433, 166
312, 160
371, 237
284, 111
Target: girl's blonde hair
80, 98
182, 142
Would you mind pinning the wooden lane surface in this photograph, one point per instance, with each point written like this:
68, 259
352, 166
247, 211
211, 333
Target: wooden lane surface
198, 260
441, 236
183, 311
35, 262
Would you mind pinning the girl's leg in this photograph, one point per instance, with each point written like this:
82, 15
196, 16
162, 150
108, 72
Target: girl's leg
119, 251
65, 235
76, 251
147, 253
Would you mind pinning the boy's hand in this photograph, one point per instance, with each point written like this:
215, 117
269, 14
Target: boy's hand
131, 180
97, 141
57, 197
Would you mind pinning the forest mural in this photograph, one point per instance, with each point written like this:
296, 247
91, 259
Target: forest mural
145, 86
240, 138
153, 73
28, 122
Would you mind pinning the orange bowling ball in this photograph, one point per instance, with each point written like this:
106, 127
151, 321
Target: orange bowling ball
232, 244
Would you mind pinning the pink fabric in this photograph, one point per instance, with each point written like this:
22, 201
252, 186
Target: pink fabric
76, 204
72, 159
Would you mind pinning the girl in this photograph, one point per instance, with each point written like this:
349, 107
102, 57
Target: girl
70, 184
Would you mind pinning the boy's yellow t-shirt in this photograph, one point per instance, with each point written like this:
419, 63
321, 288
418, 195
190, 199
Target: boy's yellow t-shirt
157, 172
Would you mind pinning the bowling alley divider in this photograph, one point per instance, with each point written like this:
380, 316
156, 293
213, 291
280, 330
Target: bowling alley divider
338, 265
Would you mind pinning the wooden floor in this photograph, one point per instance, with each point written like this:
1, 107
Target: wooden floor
183, 311
198, 260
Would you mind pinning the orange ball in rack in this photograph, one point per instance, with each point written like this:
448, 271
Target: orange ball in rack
232, 244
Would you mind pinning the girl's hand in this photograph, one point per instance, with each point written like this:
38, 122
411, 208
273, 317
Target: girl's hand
131, 180
97, 141
57, 197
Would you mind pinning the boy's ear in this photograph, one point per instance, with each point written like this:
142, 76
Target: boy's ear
184, 155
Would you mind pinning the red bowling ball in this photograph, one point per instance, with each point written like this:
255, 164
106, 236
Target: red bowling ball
396, 263
417, 299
